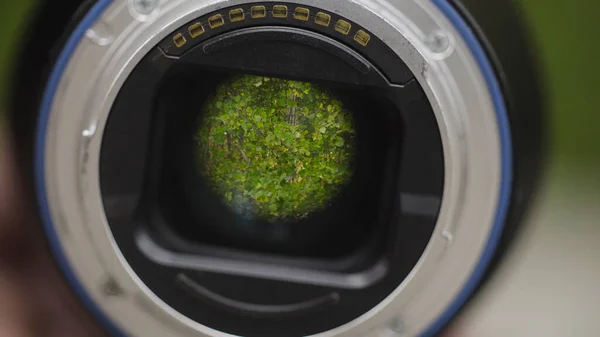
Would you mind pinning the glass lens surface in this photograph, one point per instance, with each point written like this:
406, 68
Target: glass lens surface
275, 149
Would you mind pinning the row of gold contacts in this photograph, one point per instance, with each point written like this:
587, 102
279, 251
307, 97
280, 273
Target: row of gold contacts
278, 11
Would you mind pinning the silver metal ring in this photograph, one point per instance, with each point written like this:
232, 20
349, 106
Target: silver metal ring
416, 30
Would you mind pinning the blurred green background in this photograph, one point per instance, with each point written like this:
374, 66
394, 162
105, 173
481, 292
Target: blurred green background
567, 38
567, 35
13, 20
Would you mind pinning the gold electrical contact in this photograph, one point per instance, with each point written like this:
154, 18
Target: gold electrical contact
302, 14
216, 21
280, 11
362, 37
258, 12
236, 15
179, 40
196, 30
323, 19
343, 27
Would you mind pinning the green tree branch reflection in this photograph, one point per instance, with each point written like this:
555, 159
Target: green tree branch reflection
275, 149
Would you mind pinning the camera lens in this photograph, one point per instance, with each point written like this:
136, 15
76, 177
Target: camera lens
297, 144
292, 168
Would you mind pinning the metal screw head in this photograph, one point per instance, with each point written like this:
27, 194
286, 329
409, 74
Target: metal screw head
395, 328
111, 288
144, 7
398, 326
439, 42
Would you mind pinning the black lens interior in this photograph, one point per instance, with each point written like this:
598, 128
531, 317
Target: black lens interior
190, 208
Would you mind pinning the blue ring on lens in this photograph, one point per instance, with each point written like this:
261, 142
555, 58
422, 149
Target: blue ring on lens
506, 175
506, 165
55, 77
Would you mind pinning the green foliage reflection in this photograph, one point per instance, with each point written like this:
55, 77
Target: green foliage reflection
273, 148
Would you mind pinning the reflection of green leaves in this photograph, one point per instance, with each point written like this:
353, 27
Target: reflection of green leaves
275, 148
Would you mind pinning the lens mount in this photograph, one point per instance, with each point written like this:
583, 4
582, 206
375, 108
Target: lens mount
428, 37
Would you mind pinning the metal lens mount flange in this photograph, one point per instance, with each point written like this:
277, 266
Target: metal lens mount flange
392, 200
435, 48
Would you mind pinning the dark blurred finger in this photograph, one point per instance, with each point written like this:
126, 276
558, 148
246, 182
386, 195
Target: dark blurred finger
16, 215
34, 299
58, 313
15, 318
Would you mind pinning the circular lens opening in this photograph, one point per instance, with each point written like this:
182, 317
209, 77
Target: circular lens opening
195, 234
275, 149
